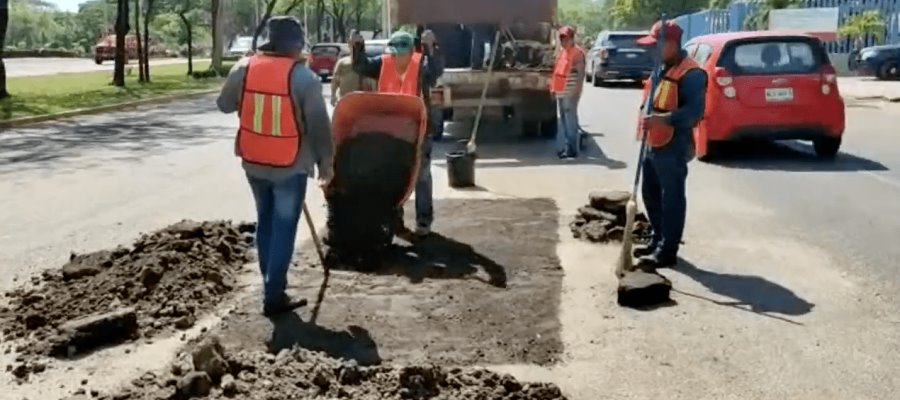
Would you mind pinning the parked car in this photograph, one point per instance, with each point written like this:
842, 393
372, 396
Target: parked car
105, 49
770, 84
880, 61
240, 46
375, 47
616, 55
324, 56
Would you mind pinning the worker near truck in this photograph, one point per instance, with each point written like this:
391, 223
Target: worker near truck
678, 105
284, 134
404, 70
346, 80
567, 84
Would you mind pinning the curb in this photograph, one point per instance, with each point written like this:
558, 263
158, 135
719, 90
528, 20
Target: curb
17, 122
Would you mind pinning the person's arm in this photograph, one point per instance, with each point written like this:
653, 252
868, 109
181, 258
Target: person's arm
230, 96
433, 66
692, 88
336, 79
579, 71
307, 90
369, 67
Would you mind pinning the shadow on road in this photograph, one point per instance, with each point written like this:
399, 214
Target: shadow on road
788, 156
121, 136
439, 257
621, 85
750, 293
355, 343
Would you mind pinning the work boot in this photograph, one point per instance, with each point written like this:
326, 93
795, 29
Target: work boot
643, 250
422, 231
285, 305
656, 261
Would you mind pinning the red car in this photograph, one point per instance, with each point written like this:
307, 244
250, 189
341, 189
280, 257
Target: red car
771, 85
324, 56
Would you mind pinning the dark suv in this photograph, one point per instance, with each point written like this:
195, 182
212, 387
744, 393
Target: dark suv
881, 61
616, 55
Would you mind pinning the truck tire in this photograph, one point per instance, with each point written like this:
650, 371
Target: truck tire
98, 60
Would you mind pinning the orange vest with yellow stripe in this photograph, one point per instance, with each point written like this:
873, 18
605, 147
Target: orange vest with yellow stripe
269, 132
665, 100
563, 67
390, 81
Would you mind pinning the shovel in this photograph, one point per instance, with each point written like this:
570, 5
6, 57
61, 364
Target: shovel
471, 147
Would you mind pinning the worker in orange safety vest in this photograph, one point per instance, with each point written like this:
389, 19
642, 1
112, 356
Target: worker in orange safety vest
284, 134
404, 70
678, 105
567, 84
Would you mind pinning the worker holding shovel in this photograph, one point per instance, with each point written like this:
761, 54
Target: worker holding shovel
284, 135
678, 105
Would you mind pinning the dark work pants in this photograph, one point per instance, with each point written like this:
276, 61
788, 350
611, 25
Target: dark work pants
663, 191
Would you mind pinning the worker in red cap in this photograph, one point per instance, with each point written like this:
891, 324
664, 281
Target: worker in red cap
566, 84
678, 105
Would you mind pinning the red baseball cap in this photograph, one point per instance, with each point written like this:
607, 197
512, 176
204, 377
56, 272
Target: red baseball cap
567, 31
672, 33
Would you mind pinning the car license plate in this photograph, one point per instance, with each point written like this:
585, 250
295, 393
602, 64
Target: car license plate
779, 94
631, 55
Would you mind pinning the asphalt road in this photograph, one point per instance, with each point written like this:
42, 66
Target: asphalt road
16, 67
788, 288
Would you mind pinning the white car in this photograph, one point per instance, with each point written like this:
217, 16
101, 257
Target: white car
240, 46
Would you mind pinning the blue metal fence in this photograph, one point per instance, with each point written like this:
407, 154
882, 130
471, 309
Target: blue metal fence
732, 19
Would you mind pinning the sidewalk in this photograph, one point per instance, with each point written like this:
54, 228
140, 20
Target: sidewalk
865, 88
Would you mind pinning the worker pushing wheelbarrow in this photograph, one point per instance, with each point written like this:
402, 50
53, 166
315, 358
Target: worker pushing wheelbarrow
377, 140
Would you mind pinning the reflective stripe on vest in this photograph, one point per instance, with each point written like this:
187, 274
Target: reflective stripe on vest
390, 81
269, 132
665, 100
562, 68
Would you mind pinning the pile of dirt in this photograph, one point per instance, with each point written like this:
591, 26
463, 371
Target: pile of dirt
371, 175
165, 280
527, 55
209, 372
603, 219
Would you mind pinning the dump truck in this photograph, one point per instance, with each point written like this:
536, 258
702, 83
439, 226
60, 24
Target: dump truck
518, 89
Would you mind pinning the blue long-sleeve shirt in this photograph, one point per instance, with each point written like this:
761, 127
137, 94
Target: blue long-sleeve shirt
691, 102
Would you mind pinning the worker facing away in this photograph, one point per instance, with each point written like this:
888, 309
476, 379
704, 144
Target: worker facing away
567, 84
284, 133
678, 105
346, 80
403, 70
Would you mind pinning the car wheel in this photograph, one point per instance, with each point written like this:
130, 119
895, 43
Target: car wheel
889, 71
827, 147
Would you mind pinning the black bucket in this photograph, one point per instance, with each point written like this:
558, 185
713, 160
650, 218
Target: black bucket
461, 169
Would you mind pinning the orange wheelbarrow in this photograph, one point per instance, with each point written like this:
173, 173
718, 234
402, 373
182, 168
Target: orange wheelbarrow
377, 141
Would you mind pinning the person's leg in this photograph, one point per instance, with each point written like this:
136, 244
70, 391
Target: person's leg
424, 192
572, 126
651, 194
561, 147
262, 196
288, 197
672, 172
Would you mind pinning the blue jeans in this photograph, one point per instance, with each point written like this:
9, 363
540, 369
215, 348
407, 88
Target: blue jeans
567, 136
278, 208
424, 188
663, 191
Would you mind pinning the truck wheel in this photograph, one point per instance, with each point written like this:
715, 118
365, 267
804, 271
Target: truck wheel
827, 147
98, 60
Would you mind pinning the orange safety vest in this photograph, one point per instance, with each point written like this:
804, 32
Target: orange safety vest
389, 81
563, 68
269, 132
665, 100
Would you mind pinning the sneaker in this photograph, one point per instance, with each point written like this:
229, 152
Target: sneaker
285, 305
422, 231
655, 261
643, 250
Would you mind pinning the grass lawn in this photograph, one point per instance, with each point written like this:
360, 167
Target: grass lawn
41, 95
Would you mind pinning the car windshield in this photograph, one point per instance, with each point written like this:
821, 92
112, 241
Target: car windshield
620, 40
773, 57
325, 50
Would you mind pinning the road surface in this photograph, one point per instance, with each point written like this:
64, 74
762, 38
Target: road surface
788, 288
16, 67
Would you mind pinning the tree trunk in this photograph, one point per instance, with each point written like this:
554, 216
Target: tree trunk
121, 30
4, 21
142, 77
320, 13
190, 41
358, 14
270, 5
148, 14
217, 49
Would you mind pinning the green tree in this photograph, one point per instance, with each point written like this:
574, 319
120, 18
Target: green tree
585, 15
758, 19
642, 13
4, 22
121, 30
860, 26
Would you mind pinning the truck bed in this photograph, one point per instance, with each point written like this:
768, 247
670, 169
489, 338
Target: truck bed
513, 79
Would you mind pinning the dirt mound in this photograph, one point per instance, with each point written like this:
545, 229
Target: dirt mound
209, 372
165, 280
372, 174
603, 219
